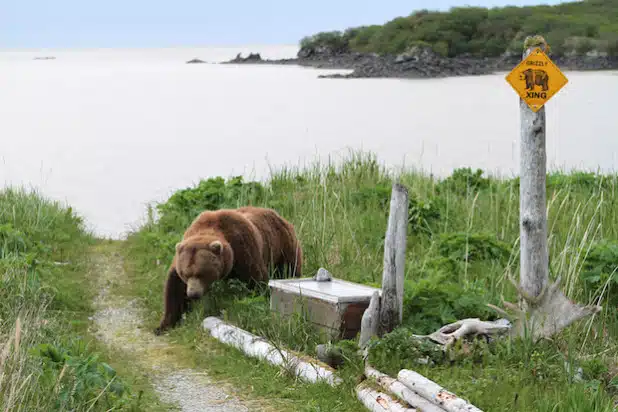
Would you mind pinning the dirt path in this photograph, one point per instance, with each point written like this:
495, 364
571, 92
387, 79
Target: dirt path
117, 323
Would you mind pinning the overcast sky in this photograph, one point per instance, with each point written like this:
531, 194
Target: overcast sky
159, 23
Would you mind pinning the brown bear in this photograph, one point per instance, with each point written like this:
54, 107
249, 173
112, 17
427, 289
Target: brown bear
243, 243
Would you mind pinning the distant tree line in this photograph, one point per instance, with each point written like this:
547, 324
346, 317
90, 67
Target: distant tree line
569, 28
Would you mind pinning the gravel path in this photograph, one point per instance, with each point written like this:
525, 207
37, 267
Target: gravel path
117, 323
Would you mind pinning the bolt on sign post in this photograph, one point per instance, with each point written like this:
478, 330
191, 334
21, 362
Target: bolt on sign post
536, 79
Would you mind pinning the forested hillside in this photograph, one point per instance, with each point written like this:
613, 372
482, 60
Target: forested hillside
570, 28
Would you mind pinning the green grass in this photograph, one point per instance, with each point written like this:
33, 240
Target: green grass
48, 360
462, 241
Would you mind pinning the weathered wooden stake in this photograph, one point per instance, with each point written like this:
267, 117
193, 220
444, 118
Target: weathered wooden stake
391, 305
534, 262
370, 321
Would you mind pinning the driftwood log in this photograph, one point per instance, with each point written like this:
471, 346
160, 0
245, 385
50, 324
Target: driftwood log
449, 334
401, 391
258, 347
379, 402
434, 393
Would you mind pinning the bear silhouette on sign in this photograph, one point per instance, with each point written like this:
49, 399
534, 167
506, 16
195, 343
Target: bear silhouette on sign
535, 78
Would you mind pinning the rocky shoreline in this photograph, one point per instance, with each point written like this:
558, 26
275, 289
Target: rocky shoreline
418, 63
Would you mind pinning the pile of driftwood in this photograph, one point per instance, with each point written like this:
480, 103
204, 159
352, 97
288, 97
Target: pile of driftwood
409, 392
412, 392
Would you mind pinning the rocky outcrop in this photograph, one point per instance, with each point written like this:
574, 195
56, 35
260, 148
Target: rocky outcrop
586, 63
418, 62
256, 58
251, 58
195, 61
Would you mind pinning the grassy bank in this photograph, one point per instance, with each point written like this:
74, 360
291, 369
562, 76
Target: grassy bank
463, 240
570, 27
48, 361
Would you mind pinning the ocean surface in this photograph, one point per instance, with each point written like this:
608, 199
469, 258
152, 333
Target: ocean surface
109, 131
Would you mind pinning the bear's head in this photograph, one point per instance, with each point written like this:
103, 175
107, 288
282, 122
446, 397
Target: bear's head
200, 261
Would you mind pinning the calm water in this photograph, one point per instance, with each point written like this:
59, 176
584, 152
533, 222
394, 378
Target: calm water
109, 131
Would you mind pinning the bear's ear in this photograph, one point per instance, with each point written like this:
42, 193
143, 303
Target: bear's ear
216, 247
178, 246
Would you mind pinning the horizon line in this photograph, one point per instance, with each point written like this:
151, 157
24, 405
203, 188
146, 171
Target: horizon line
180, 46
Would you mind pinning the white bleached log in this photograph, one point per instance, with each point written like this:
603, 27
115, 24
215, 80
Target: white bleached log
379, 402
257, 347
402, 391
434, 393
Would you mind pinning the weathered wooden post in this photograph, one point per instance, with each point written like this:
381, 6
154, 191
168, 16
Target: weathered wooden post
536, 79
534, 259
544, 309
391, 305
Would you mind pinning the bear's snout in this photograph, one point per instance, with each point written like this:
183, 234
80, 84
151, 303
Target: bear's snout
193, 295
195, 289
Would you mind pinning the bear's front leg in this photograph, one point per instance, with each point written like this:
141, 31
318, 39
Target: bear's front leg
175, 301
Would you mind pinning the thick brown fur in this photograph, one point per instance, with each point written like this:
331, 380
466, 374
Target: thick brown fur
244, 243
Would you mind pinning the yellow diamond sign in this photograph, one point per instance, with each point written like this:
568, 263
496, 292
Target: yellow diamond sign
536, 79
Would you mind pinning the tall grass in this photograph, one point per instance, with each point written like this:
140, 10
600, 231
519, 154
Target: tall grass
45, 364
463, 240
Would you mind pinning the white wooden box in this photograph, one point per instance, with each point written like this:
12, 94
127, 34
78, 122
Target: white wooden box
335, 307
